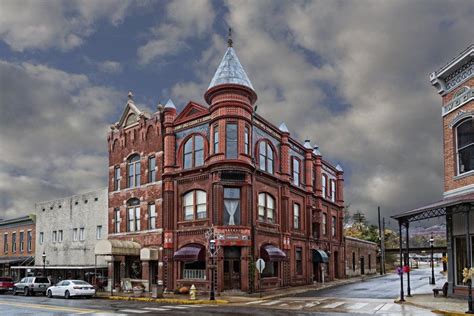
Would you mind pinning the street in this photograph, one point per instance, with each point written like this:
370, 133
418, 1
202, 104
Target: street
372, 296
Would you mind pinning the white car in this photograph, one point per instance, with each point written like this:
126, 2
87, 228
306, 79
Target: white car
69, 288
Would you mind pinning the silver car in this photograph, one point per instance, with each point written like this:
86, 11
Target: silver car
31, 286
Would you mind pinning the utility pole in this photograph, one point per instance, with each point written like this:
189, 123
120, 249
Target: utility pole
383, 244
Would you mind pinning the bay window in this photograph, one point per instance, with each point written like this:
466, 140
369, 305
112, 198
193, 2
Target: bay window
232, 206
296, 216
231, 141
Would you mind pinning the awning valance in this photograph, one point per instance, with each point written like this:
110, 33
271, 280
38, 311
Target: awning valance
114, 247
319, 256
272, 253
190, 253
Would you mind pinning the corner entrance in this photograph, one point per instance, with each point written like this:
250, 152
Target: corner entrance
232, 268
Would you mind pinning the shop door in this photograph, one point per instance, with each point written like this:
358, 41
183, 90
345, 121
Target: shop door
232, 268
362, 265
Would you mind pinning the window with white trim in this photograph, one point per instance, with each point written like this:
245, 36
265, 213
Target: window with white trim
98, 232
296, 171
133, 216
74, 234
117, 178
41, 238
134, 172
246, 140
216, 139
117, 220
266, 157
266, 208
54, 237
195, 205
324, 185
151, 216
60, 236
465, 146
296, 216
81, 234
151, 169
333, 190
194, 152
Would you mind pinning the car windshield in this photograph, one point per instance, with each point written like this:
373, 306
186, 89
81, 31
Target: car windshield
80, 282
41, 280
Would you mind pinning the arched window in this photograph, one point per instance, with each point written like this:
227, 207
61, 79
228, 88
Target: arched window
266, 157
133, 215
194, 205
266, 207
194, 152
465, 146
134, 171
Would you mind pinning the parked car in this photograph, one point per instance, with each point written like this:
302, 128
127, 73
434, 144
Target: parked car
6, 284
31, 286
69, 288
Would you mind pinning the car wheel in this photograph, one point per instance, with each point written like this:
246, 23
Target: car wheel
26, 291
67, 295
14, 291
50, 295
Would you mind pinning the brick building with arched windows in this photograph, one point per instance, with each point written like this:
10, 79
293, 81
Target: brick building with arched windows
267, 195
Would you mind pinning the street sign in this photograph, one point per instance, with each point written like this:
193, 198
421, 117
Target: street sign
260, 264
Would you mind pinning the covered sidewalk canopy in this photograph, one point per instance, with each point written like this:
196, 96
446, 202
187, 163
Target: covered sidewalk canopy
451, 205
272, 253
113, 247
190, 253
319, 256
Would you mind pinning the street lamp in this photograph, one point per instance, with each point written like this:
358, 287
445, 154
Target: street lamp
44, 263
432, 261
212, 249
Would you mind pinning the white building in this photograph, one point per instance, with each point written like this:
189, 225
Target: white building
67, 231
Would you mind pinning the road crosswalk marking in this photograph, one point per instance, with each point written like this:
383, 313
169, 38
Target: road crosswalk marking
386, 307
254, 302
157, 309
333, 305
271, 303
358, 305
176, 306
133, 311
309, 305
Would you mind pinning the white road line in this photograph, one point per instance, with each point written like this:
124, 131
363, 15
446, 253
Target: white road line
193, 305
158, 309
176, 307
133, 311
283, 305
386, 307
271, 303
358, 305
333, 305
379, 306
254, 302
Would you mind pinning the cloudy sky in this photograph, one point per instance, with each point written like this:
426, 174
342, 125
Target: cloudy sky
352, 76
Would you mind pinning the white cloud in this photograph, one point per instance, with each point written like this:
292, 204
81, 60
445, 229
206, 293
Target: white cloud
53, 131
184, 19
109, 66
29, 24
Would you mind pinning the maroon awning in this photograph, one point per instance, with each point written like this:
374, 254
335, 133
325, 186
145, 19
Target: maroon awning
272, 253
190, 253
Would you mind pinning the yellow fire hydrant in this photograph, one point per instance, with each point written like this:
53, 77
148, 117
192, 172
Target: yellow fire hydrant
192, 292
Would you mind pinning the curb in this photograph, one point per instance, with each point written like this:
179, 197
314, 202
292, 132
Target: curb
436, 311
166, 300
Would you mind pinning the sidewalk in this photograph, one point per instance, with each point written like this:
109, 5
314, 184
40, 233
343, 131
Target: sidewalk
233, 298
440, 305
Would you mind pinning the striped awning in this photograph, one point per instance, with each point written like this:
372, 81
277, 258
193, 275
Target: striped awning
272, 253
190, 253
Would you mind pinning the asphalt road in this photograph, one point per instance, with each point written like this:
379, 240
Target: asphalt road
386, 287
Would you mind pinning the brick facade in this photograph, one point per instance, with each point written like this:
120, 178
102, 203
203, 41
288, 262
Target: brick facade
242, 235
360, 257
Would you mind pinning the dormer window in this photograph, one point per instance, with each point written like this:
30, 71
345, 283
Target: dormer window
465, 146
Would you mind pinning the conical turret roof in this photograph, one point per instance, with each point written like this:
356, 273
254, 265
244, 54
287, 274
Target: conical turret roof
231, 71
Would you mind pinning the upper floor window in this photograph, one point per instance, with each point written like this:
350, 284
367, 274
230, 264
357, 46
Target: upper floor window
74, 234
296, 216
266, 157
5, 243
465, 146
60, 236
324, 185
133, 216
333, 226
194, 152
333, 190
117, 178
266, 207
41, 238
22, 241
151, 216
151, 169
81, 234
296, 171
29, 241
98, 232
231, 141
13, 242
232, 206
299, 260
247, 141
134, 171
216, 139
117, 220
54, 237
194, 205
325, 223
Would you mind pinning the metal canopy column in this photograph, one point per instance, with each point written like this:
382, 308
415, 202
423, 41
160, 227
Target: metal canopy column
469, 261
408, 261
402, 298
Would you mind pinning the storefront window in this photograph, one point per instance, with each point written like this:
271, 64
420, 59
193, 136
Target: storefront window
271, 269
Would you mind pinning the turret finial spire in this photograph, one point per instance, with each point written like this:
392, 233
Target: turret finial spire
130, 95
229, 39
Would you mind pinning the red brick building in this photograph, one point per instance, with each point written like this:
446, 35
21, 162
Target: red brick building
173, 175
17, 244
